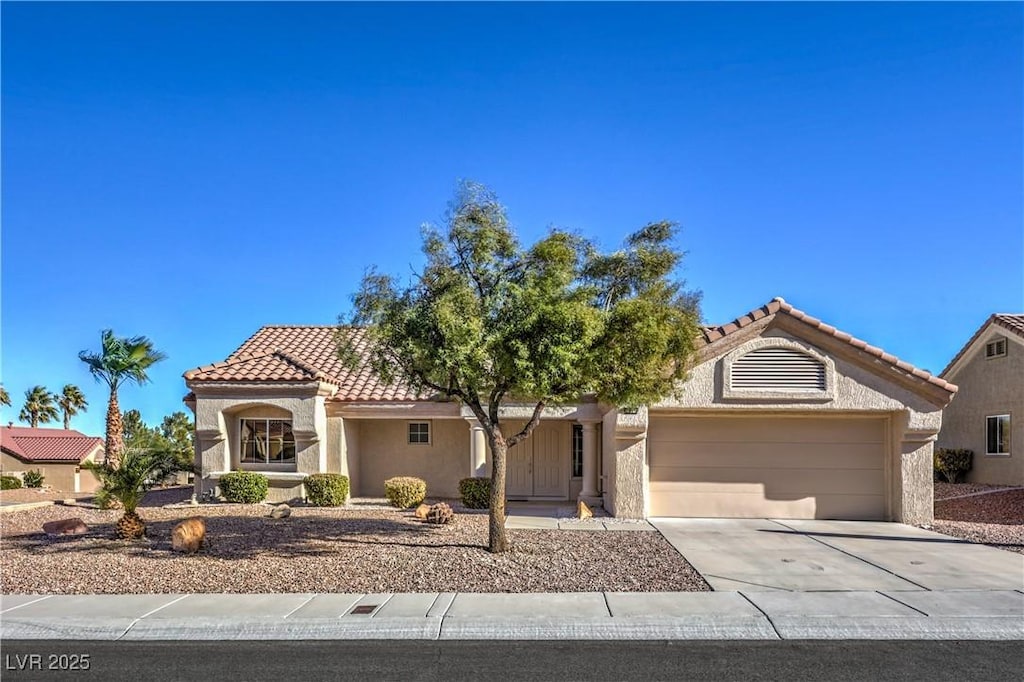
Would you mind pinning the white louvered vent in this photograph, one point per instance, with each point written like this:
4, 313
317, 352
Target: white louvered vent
777, 369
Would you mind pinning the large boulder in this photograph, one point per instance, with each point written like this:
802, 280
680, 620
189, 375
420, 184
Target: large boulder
583, 511
188, 535
421, 511
281, 511
73, 526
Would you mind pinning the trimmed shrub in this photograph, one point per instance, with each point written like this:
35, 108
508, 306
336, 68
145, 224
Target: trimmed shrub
246, 487
33, 478
405, 491
326, 490
9, 482
475, 492
953, 465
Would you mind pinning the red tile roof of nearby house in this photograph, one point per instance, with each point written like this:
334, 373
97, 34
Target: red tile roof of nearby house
308, 353
779, 306
1011, 322
47, 445
303, 353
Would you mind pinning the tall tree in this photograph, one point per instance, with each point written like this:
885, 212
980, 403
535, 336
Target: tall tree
5, 398
487, 321
71, 402
178, 429
120, 360
39, 407
134, 431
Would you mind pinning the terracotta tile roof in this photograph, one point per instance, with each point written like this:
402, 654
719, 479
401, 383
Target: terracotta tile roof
47, 445
1011, 322
302, 353
779, 306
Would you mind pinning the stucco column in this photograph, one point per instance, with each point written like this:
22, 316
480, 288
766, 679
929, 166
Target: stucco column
477, 449
914, 490
589, 491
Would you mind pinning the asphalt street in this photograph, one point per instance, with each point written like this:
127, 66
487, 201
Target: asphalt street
410, 661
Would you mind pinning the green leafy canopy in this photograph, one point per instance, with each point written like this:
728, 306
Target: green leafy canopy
488, 319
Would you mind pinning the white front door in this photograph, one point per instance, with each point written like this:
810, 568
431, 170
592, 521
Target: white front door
519, 472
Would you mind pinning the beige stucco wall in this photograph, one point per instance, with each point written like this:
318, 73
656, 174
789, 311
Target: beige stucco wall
384, 452
852, 389
219, 410
988, 387
59, 475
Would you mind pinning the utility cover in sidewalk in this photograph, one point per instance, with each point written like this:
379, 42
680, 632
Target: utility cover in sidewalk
364, 609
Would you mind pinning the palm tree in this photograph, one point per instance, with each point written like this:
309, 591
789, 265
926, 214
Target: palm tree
119, 360
5, 398
71, 402
39, 407
127, 482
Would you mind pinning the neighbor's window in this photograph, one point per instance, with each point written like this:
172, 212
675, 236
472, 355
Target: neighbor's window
419, 433
577, 450
267, 441
995, 348
997, 434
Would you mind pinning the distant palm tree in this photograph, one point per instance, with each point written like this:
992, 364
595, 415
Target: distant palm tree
39, 407
127, 482
71, 402
5, 398
119, 360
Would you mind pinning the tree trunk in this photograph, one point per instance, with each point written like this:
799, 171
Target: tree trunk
33, 420
115, 430
497, 540
67, 420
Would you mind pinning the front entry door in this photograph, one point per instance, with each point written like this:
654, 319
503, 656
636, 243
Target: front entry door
538, 466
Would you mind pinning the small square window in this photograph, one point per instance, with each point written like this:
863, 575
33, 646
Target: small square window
997, 434
996, 348
419, 433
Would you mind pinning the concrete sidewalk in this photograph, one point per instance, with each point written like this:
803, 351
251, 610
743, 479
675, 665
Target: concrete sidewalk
915, 615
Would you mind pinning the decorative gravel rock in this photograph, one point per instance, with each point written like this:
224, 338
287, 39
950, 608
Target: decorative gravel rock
358, 548
995, 519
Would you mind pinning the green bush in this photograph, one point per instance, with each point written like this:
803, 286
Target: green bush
326, 490
405, 491
33, 478
475, 492
246, 487
952, 465
9, 482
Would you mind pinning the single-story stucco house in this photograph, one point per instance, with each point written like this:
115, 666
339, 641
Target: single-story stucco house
56, 453
987, 416
781, 416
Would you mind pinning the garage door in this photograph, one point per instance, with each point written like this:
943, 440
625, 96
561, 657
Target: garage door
757, 467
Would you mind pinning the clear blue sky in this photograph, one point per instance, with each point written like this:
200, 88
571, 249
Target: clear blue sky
191, 171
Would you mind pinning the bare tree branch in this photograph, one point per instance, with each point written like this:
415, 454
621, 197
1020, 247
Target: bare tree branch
530, 425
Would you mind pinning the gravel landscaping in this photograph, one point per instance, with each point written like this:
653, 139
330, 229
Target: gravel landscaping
995, 519
945, 491
361, 548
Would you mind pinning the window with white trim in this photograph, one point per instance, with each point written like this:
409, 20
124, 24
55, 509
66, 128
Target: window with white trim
996, 348
267, 442
419, 433
577, 451
997, 434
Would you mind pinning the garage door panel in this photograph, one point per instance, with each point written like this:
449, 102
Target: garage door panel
751, 467
770, 482
793, 456
781, 429
754, 506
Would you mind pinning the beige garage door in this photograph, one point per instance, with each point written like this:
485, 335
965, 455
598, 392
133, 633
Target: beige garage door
757, 467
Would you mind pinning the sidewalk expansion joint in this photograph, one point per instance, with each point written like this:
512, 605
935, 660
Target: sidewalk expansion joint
285, 616
34, 601
763, 613
909, 606
849, 554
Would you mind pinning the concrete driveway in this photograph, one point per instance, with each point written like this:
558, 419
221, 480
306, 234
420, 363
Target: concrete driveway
766, 554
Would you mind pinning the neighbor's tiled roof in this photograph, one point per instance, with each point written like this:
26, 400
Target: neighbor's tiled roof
47, 445
302, 353
1011, 322
779, 305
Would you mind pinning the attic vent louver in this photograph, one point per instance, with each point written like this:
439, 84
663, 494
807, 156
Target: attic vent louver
777, 369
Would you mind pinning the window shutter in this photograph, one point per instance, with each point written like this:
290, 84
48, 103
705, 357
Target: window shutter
777, 369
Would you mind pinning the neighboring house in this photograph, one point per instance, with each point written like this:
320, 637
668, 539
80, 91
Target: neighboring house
782, 416
57, 454
987, 416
